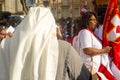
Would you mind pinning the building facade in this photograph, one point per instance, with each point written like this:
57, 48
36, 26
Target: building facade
60, 8
67, 8
70, 8
13, 6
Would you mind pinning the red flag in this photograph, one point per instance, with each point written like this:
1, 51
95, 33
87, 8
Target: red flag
111, 36
109, 22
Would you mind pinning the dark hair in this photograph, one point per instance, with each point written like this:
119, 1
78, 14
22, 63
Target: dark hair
2, 27
86, 18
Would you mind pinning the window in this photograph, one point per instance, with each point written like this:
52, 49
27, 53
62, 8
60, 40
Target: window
76, 12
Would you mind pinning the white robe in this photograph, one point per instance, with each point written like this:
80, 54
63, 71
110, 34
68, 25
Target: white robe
32, 53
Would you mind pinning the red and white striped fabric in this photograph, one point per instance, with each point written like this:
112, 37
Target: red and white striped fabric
111, 37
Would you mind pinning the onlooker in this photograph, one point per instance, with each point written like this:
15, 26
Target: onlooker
70, 64
75, 29
84, 9
75, 38
2, 32
90, 46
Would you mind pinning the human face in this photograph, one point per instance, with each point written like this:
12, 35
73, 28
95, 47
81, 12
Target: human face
2, 34
92, 22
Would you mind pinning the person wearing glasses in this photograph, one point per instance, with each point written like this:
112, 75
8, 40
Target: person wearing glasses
91, 49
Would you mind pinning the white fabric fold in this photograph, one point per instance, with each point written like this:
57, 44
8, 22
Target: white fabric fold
33, 50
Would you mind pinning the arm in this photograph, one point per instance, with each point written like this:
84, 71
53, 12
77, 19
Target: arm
59, 33
94, 51
88, 43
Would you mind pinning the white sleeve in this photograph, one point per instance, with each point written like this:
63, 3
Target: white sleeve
74, 41
85, 38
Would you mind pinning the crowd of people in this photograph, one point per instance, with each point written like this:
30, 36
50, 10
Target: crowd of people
8, 24
34, 52
63, 49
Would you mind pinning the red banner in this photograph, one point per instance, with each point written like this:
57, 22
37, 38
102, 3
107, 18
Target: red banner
109, 22
111, 35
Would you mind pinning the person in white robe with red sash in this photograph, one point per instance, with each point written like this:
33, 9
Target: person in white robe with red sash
90, 45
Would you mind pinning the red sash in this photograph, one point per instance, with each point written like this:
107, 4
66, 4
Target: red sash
94, 34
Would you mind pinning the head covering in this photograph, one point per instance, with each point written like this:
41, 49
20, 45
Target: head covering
83, 10
32, 52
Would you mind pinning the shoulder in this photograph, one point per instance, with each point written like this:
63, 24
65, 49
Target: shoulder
83, 31
63, 43
65, 47
75, 38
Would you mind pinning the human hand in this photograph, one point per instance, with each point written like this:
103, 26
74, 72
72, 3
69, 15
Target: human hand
107, 49
8, 35
59, 33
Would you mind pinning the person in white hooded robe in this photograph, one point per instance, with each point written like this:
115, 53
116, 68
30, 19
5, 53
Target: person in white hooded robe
33, 51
